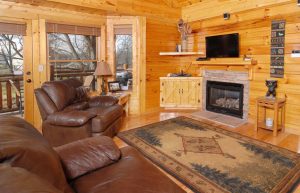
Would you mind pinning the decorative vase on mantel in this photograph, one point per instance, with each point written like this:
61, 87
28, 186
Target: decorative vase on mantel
185, 29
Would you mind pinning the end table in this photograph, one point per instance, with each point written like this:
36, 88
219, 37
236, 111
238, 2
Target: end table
277, 104
123, 100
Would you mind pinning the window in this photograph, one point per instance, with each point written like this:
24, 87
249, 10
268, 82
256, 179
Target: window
11, 66
72, 51
11, 54
123, 44
11, 48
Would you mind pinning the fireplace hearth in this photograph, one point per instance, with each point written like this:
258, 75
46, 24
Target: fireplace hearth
226, 98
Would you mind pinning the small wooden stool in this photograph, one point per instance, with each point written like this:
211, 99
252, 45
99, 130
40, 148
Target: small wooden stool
275, 104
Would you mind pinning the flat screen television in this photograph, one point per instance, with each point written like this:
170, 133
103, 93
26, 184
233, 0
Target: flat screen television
222, 46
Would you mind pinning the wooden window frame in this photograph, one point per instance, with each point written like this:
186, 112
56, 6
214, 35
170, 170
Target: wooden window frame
98, 51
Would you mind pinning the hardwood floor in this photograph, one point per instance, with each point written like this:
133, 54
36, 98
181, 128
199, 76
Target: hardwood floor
284, 140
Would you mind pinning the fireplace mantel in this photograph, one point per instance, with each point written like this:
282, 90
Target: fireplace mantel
227, 62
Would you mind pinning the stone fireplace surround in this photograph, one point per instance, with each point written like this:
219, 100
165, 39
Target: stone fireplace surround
230, 77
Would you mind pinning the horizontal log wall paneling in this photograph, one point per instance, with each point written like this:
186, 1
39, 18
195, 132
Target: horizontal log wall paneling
254, 27
161, 37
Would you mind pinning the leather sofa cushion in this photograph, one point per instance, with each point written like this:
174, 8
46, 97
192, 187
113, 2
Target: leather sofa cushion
60, 135
86, 155
132, 174
103, 101
77, 106
45, 104
19, 180
73, 82
21, 145
57, 90
105, 117
82, 93
70, 118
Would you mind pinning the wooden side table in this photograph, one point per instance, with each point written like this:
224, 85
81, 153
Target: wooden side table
276, 104
123, 100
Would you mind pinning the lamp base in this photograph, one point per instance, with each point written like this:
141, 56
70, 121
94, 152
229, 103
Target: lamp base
103, 90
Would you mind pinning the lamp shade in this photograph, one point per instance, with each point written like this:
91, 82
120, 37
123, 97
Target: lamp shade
102, 69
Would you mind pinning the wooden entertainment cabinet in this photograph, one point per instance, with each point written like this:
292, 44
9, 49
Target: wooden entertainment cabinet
181, 92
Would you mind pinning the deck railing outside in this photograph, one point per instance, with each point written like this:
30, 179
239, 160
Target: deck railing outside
9, 101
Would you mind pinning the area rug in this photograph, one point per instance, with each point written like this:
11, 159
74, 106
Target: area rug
211, 159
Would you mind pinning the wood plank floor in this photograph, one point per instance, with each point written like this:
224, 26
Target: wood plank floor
284, 140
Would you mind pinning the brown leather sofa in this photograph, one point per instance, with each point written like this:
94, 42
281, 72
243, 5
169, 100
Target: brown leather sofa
69, 114
28, 164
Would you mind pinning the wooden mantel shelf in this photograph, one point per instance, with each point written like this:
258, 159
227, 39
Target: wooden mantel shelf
180, 53
227, 62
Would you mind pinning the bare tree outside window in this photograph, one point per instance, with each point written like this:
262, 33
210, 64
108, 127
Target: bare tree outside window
11, 54
123, 58
11, 72
71, 55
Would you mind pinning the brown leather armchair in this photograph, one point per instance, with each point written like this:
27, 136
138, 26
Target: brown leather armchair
28, 164
69, 114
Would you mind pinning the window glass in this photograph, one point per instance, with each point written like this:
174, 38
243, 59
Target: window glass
11, 54
124, 59
11, 72
71, 55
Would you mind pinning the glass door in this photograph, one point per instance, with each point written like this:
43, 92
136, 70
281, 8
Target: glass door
12, 68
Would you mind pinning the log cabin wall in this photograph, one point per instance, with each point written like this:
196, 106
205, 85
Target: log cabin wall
161, 37
252, 20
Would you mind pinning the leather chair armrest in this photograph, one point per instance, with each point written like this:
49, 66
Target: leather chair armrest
70, 118
86, 155
103, 101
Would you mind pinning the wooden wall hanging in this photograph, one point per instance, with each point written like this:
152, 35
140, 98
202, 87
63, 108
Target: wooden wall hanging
277, 49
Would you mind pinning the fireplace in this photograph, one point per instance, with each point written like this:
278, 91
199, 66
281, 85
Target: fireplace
226, 98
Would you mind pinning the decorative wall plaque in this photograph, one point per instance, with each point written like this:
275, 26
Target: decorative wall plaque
277, 48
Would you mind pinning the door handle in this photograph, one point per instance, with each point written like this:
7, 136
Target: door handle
28, 81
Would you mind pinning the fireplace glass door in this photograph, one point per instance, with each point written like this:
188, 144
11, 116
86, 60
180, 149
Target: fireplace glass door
225, 98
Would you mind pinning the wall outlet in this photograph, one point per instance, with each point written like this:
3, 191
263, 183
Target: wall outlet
41, 68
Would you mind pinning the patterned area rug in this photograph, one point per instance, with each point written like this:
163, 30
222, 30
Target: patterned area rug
210, 159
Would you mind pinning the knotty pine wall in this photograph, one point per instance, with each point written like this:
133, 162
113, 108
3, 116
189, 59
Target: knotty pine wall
160, 37
254, 27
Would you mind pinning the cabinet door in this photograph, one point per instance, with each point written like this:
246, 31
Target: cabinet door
169, 93
190, 93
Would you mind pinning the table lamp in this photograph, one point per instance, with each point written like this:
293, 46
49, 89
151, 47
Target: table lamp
103, 70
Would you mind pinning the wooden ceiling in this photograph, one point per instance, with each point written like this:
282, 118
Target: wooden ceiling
114, 7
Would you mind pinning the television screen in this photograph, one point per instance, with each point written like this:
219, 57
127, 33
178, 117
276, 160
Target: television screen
222, 46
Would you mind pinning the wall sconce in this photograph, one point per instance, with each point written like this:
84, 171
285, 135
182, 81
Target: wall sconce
298, 3
226, 16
